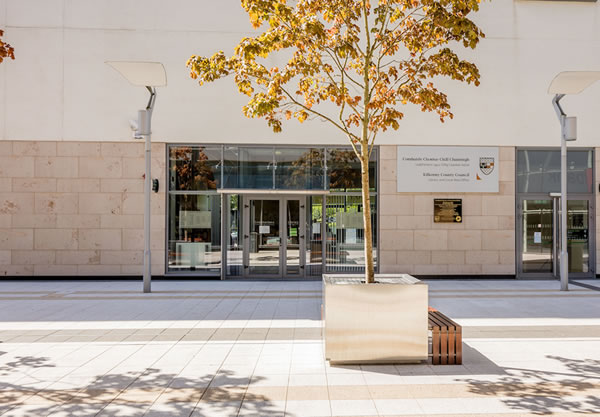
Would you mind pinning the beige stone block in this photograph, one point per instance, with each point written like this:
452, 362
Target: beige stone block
387, 222
133, 203
44, 185
55, 270
133, 168
464, 269
78, 149
506, 222
78, 257
157, 269
129, 221
77, 185
399, 205
506, 153
430, 269
16, 203
133, 239
448, 226
387, 169
448, 257
16, 166
498, 240
507, 188
396, 239
409, 257
122, 185
56, 167
5, 257
464, 239
103, 167
100, 239
158, 257
507, 171
16, 270
387, 257
498, 205
388, 152
26, 148
472, 205
157, 221
413, 222
5, 221
507, 257
86, 221
101, 203
498, 269
50, 203
16, 239
56, 239
132, 269
396, 269
122, 257
6, 147
423, 205
478, 257
431, 239
44, 221
5, 185
126, 149
388, 187
481, 222
100, 270
33, 257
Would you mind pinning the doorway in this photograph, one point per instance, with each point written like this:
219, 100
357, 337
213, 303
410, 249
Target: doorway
274, 243
538, 236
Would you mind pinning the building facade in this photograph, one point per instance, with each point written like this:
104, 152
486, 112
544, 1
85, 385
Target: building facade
238, 201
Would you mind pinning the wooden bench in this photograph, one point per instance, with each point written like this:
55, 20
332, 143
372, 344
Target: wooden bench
446, 340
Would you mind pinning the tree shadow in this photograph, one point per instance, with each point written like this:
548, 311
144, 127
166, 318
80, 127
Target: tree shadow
152, 393
546, 392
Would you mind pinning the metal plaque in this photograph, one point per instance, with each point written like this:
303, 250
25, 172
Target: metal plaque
447, 210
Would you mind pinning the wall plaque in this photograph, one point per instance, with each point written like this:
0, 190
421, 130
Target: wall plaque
447, 210
448, 169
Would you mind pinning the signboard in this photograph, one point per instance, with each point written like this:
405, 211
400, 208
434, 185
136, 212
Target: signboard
447, 210
194, 219
448, 169
264, 229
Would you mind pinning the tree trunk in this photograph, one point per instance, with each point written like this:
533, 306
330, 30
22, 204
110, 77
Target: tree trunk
366, 200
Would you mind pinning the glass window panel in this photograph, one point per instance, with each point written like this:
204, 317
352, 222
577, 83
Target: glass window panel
299, 168
235, 259
345, 233
194, 233
578, 244
538, 171
537, 236
194, 168
250, 168
314, 246
344, 172
231, 167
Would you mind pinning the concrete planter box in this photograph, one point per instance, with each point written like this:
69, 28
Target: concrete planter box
384, 322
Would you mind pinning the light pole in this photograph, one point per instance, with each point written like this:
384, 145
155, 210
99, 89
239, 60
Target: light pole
149, 75
569, 82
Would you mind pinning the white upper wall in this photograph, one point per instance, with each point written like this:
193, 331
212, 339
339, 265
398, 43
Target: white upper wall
59, 88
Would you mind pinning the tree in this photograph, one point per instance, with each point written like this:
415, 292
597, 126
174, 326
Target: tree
368, 58
6, 51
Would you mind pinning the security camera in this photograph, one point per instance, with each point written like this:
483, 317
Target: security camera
133, 125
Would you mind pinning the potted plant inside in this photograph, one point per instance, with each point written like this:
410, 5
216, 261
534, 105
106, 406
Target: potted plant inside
354, 64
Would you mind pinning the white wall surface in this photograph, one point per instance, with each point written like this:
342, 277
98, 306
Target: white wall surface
58, 88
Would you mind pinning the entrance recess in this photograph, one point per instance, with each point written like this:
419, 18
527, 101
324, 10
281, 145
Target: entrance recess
274, 244
538, 236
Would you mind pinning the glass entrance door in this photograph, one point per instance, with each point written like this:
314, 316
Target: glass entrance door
274, 237
539, 237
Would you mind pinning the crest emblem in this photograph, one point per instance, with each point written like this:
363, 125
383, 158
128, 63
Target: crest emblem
486, 165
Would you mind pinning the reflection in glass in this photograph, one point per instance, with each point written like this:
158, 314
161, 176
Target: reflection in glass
344, 171
314, 243
299, 168
537, 236
264, 239
194, 232
578, 235
345, 233
250, 168
194, 168
235, 259
538, 171
292, 233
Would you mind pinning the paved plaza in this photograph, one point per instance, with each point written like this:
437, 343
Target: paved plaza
212, 348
